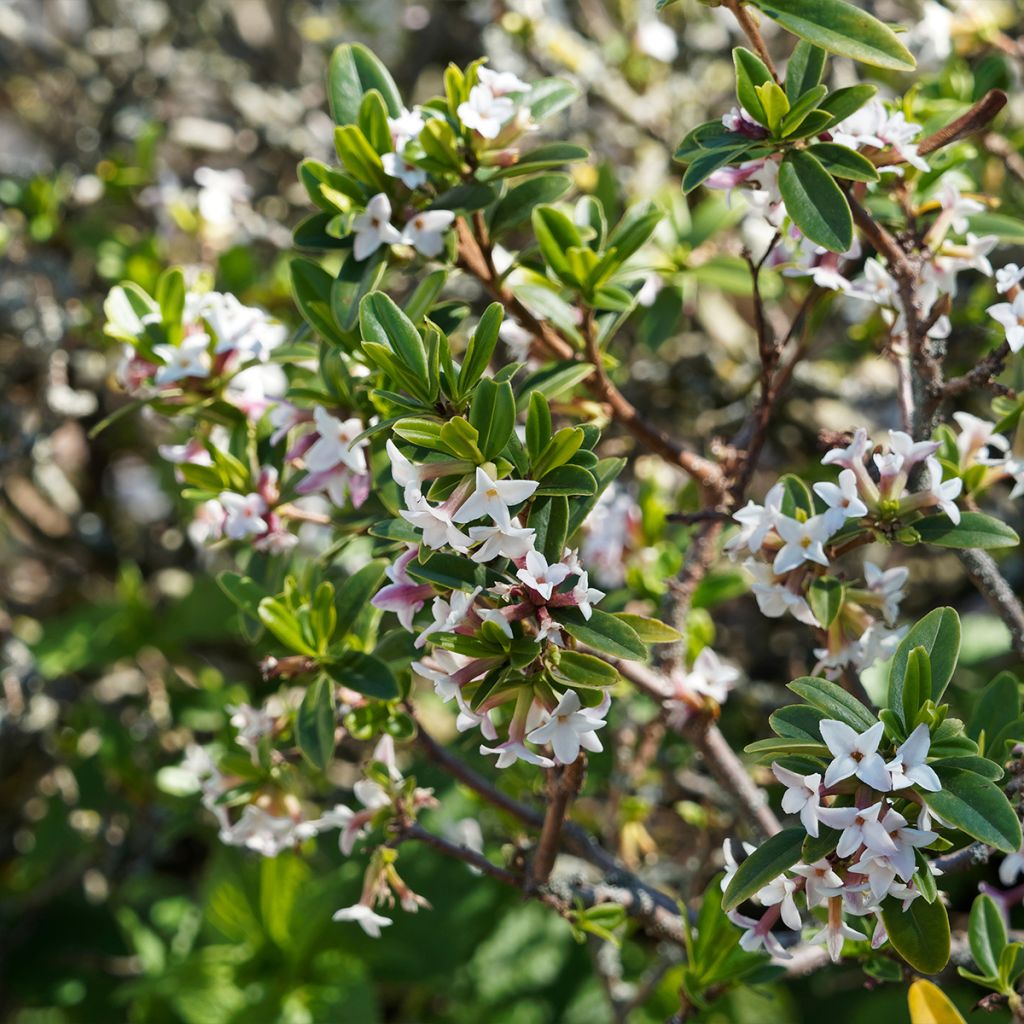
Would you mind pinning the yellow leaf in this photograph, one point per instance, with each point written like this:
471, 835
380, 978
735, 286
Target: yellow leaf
928, 1005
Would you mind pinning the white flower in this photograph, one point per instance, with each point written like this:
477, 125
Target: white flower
373, 227
1011, 316
976, 435
540, 576
252, 724
189, 359
775, 599
1008, 277
239, 328
822, 881
405, 127
493, 497
501, 83
756, 521
510, 752
731, 864
877, 285
908, 767
334, 445
711, 676
861, 827
244, 514
367, 919
509, 541
485, 112
405, 473
957, 207
439, 670
585, 595
782, 890
842, 499
888, 585
906, 839
852, 456
855, 754
833, 934
944, 492
518, 338
802, 796
435, 522
448, 614
207, 523
493, 615
657, 40
396, 166
911, 452
757, 936
425, 231
804, 542
1011, 868
568, 728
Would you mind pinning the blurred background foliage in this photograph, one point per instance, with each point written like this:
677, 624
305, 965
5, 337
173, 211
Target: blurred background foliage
138, 133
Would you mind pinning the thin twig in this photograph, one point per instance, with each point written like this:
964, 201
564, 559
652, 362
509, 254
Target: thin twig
753, 33
564, 782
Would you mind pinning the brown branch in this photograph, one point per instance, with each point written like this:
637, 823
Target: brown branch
973, 120
576, 839
719, 756
564, 782
474, 259
752, 31
459, 852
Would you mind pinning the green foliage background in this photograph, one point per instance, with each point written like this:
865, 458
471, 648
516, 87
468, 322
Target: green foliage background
116, 900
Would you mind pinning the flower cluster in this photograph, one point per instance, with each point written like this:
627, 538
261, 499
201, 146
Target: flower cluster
481, 517
876, 822
795, 545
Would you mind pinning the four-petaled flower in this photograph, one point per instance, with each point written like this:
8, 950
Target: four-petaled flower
842, 499
542, 577
493, 498
802, 796
424, 231
803, 542
569, 726
854, 754
373, 228
189, 359
908, 767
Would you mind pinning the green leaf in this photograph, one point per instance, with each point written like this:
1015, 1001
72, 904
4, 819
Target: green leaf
796, 495
516, 206
939, 634
493, 414
556, 235
798, 111
841, 28
797, 722
998, 704
834, 701
538, 425
555, 154
766, 863
352, 72
975, 530
549, 517
825, 596
815, 848
602, 632
976, 806
567, 481
481, 347
585, 670
650, 631
1009, 229
971, 763
843, 162
709, 161
314, 723
920, 934
775, 105
311, 286
382, 322
841, 103
452, 572
242, 591
751, 72
804, 70
769, 749
917, 686
814, 201
354, 594
281, 621
365, 674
